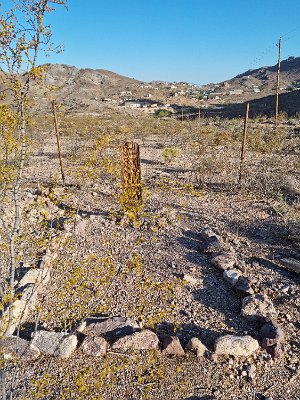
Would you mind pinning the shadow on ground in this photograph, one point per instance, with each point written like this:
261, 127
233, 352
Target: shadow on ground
216, 295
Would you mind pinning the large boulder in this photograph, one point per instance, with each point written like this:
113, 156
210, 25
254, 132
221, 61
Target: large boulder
144, 340
111, 328
29, 294
258, 307
12, 347
55, 343
238, 346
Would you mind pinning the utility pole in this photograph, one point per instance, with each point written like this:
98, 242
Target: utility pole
277, 85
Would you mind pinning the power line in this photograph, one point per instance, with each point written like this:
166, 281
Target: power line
268, 49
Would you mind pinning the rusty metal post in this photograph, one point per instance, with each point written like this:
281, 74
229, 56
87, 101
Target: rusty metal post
58, 140
243, 150
277, 85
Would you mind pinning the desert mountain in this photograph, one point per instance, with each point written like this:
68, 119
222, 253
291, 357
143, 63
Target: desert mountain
89, 90
97, 82
82, 88
264, 78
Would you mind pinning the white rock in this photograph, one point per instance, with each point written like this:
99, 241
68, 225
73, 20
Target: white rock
29, 294
207, 233
55, 343
238, 346
196, 346
190, 279
20, 309
172, 346
231, 276
36, 277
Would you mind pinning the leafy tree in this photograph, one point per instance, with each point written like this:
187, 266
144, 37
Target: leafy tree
161, 113
23, 36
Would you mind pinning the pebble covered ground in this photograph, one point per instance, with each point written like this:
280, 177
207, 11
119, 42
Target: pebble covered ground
162, 279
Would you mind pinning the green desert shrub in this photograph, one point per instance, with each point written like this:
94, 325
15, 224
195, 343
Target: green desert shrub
170, 153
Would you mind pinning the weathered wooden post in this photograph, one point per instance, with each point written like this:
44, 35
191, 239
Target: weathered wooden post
131, 177
243, 150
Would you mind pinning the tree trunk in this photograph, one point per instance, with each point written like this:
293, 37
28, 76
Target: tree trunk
17, 218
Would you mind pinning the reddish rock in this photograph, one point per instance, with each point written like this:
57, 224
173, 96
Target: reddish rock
144, 340
258, 307
272, 338
15, 347
111, 328
243, 287
94, 346
224, 260
211, 245
171, 346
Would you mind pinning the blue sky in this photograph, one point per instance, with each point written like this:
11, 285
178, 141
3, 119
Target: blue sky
182, 40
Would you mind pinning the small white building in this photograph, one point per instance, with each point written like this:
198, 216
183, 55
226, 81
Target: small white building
236, 92
133, 104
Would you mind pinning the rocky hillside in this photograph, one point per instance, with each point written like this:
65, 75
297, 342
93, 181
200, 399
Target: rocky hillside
84, 88
263, 80
266, 76
96, 82
89, 90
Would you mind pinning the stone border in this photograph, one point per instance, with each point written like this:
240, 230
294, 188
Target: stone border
256, 307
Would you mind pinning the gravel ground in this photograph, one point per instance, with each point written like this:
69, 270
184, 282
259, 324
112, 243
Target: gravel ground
137, 272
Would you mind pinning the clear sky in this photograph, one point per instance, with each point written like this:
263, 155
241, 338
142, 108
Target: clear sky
176, 40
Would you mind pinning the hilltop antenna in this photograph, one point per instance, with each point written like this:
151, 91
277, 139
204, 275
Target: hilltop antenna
277, 84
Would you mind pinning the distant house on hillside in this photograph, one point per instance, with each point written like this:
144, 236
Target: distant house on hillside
236, 92
126, 92
133, 103
214, 95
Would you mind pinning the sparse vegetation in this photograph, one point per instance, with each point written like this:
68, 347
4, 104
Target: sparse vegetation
161, 113
121, 237
170, 153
